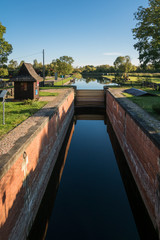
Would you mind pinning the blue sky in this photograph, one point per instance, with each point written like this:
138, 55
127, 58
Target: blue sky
93, 32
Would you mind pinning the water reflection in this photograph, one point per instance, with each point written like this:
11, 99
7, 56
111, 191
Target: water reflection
90, 83
91, 202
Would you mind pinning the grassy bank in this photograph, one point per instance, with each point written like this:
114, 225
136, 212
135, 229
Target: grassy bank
147, 102
50, 87
62, 82
17, 112
47, 94
152, 79
138, 78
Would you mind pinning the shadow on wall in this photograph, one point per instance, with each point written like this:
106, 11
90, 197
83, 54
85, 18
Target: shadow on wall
141, 150
40, 225
143, 222
23, 186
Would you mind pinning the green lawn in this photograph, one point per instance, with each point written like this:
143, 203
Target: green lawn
17, 112
136, 78
146, 102
110, 77
145, 74
155, 80
63, 81
44, 94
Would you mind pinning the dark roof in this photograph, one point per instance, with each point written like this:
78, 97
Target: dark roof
27, 74
138, 92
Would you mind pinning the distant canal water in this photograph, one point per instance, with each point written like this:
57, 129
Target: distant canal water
92, 83
91, 193
89, 83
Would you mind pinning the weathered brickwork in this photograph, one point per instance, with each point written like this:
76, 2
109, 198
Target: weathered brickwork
142, 154
23, 185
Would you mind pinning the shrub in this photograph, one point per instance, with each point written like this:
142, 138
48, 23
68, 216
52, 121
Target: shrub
28, 102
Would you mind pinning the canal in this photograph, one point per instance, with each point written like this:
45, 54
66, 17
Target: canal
89, 83
91, 193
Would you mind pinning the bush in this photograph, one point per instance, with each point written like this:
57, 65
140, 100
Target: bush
28, 102
156, 108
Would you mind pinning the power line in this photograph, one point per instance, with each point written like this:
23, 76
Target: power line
29, 55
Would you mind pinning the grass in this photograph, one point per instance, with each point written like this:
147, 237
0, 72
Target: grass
49, 78
17, 112
58, 83
50, 87
110, 77
152, 79
145, 74
62, 81
136, 78
146, 102
44, 94
6, 88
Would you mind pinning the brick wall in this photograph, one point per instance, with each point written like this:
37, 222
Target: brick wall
23, 185
142, 155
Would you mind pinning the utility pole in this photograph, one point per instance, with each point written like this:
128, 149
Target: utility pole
43, 69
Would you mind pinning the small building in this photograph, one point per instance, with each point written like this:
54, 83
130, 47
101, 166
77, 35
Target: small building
26, 84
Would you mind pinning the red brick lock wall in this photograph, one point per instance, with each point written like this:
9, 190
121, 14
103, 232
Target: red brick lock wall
141, 153
23, 185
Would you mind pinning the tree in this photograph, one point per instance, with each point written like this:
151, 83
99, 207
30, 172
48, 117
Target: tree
103, 68
12, 68
5, 47
122, 67
63, 65
3, 72
66, 59
35, 63
89, 68
38, 67
12, 64
21, 63
123, 64
147, 32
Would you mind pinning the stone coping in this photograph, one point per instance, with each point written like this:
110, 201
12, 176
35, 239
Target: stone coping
19, 138
146, 122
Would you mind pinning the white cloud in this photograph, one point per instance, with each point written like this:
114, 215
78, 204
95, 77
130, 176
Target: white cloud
112, 54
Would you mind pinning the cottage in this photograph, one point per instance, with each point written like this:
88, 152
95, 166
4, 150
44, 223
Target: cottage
26, 84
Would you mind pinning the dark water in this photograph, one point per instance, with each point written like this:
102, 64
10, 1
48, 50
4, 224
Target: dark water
90, 201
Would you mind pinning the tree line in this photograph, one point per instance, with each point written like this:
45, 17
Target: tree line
146, 32
61, 66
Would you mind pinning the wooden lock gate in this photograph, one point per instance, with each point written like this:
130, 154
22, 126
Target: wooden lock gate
90, 98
